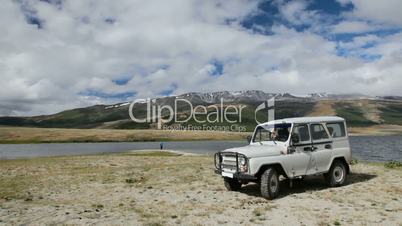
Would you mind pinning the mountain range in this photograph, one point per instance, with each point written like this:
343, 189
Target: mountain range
359, 110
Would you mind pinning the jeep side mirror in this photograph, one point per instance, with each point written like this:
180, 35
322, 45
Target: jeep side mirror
295, 138
248, 139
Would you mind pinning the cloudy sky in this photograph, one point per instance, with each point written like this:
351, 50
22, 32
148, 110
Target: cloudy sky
60, 54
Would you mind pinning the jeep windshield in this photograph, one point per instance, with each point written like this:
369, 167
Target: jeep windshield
277, 132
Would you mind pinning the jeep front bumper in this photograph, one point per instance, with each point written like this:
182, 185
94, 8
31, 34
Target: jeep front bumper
236, 175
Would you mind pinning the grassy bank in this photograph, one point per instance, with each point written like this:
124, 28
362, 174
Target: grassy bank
377, 130
50, 135
169, 189
10, 135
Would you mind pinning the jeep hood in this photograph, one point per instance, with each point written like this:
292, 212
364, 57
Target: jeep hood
253, 151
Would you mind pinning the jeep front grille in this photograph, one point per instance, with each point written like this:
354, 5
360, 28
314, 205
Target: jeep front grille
229, 163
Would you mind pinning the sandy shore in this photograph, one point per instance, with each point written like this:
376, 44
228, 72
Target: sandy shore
171, 189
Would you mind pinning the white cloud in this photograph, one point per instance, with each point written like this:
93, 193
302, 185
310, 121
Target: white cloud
160, 45
387, 11
344, 2
295, 12
354, 27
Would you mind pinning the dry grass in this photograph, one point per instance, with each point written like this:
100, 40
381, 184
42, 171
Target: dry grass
323, 108
38, 135
45, 135
377, 130
370, 110
154, 189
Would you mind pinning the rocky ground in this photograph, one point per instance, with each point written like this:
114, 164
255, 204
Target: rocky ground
171, 189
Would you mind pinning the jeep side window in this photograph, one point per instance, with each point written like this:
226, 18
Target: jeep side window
336, 129
257, 136
302, 131
318, 132
261, 135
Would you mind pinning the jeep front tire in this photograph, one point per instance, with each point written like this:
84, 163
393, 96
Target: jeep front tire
336, 175
269, 184
232, 184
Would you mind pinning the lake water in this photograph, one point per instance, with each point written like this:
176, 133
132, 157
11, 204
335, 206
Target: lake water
370, 148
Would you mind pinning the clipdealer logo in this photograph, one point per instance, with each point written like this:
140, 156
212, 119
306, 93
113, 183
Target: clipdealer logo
162, 114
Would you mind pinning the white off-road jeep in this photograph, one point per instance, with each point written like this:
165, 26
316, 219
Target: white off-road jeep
288, 148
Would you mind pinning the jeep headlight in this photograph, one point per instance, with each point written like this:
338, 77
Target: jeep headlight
218, 160
242, 160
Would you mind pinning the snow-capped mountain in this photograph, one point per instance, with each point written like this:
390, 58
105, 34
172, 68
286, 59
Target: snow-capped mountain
215, 97
330, 96
234, 96
258, 95
289, 105
249, 96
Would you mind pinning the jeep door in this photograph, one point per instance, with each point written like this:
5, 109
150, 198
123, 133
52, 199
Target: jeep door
321, 148
298, 161
340, 141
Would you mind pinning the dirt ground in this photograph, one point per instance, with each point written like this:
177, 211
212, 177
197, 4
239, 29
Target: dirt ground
169, 189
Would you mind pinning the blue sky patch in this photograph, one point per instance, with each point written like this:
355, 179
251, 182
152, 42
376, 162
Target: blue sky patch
110, 20
370, 57
262, 20
348, 37
218, 68
34, 21
328, 13
329, 6
358, 53
370, 44
95, 93
122, 81
169, 91
31, 15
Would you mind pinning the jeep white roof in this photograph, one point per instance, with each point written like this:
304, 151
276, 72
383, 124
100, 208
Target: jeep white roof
304, 120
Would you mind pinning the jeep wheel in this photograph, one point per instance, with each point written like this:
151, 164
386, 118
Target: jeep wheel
270, 184
336, 175
232, 184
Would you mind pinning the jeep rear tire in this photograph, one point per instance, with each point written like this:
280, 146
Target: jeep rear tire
232, 184
270, 184
336, 175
